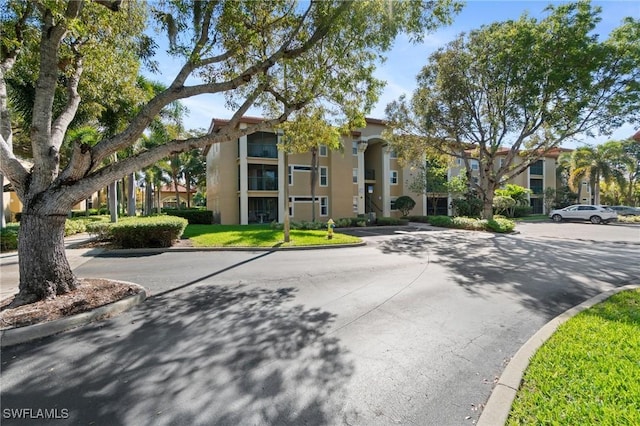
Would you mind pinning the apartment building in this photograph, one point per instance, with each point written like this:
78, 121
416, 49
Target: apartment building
537, 177
247, 178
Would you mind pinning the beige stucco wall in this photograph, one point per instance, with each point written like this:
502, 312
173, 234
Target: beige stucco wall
222, 181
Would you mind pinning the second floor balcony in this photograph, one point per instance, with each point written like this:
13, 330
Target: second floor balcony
262, 150
262, 184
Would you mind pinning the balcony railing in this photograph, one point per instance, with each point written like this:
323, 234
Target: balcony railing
263, 184
262, 150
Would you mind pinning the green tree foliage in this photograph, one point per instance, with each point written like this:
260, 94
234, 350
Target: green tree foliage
523, 87
405, 204
280, 56
591, 164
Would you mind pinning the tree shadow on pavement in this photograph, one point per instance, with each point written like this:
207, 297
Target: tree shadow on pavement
545, 275
212, 356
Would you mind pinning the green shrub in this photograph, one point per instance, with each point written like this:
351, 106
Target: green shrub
405, 204
100, 231
344, 222
194, 216
497, 224
501, 225
72, 227
628, 219
522, 211
84, 213
391, 221
443, 221
419, 219
159, 231
471, 224
9, 237
468, 207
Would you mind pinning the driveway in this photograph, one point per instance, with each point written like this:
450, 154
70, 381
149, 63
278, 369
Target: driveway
582, 231
411, 329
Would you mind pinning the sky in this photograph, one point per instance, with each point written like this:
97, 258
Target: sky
405, 60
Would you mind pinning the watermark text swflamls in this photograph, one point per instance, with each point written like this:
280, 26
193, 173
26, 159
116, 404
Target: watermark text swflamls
35, 413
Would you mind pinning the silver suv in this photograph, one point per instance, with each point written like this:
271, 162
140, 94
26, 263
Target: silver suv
594, 214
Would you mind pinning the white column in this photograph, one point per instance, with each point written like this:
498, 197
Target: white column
283, 182
362, 147
244, 182
386, 181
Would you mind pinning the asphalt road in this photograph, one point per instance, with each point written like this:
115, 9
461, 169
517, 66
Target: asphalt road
411, 329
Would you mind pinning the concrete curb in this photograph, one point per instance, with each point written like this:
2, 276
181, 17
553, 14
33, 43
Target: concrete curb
14, 336
497, 409
141, 251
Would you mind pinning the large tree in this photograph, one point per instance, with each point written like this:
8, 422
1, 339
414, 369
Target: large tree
523, 87
241, 49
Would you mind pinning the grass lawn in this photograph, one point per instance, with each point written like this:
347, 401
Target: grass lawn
588, 373
259, 236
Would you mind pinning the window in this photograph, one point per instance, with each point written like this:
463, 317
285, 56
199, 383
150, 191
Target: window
355, 175
354, 148
322, 150
290, 175
393, 203
501, 162
355, 204
290, 207
459, 161
394, 177
537, 168
393, 154
536, 186
475, 165
324, 206
324, 176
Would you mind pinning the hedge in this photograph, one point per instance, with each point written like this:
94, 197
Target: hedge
500, 225
140, 232
9, 237
391, 221
194, 216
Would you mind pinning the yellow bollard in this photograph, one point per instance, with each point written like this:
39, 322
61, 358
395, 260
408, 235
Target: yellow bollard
330, 225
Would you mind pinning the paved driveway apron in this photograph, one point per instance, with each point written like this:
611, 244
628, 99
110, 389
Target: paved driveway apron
411, 329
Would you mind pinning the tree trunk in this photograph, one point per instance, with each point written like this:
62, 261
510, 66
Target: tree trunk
187, 177
113, 201
3, 223
148, 197
131, 192
44, 269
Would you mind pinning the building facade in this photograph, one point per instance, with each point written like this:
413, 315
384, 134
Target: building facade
537, 177
250, 181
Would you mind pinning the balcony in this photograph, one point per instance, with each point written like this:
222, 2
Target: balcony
262, 150
263, 184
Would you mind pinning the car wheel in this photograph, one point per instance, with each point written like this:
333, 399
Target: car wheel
556, 218
595, 219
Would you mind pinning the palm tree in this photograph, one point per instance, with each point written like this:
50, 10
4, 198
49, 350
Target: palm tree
592, 164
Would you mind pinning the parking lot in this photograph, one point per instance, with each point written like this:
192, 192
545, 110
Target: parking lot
582, 231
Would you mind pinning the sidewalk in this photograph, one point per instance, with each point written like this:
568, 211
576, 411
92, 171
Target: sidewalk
9, 275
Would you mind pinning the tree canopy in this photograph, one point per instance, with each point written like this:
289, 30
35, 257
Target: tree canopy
523, 87
281, 56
